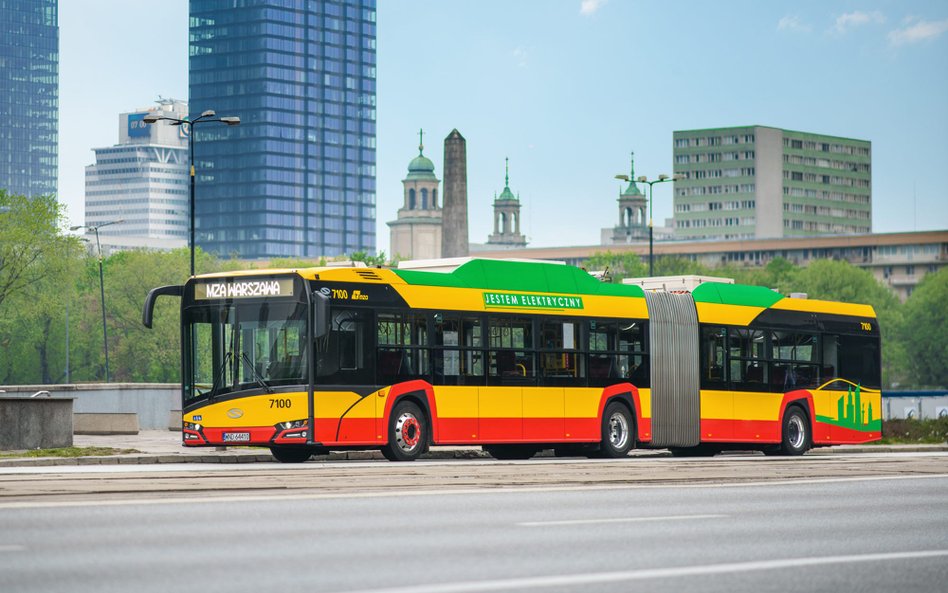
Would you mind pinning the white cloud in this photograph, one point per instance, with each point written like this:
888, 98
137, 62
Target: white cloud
588, 7
520, 56
918, 30
793, 23
851, 20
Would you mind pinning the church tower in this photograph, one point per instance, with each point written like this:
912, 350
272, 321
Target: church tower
416, 233
506, 233
633, 226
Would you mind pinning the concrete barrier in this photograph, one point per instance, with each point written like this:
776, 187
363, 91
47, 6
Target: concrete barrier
35, 422
151, 402
113, 423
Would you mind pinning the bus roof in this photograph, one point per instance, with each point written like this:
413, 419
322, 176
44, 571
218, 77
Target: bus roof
541, 277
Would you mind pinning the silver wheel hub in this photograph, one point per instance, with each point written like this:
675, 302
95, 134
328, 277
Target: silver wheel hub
407, 432
796, 432
618, 430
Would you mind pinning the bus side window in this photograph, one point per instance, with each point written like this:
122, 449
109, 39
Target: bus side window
713, 357
828, 372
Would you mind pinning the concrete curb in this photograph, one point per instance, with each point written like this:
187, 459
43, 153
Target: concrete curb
441, 453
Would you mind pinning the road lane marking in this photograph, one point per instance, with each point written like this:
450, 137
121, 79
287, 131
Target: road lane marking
595, 578
434, 492
617, 520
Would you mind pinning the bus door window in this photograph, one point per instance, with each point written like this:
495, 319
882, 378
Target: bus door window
456, 356
402, 347
633, 354
559, 361
748, 359
603, 343
713, 357
342, 354
795, 361
511, 356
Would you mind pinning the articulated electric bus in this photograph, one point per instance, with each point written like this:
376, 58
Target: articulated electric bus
516, 357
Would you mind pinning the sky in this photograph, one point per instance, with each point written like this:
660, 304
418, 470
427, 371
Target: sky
568, 89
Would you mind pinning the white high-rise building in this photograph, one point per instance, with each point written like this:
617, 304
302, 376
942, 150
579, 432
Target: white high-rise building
142, 180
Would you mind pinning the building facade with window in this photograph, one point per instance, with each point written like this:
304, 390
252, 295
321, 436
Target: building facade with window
29, 96
762, 182
296, 178
142, 180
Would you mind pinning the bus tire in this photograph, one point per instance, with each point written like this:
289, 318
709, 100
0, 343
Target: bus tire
291, 453
407, 433
618, 433
796, 432
511, 451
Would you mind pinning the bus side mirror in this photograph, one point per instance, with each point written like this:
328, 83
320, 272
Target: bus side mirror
320, 314
148, 309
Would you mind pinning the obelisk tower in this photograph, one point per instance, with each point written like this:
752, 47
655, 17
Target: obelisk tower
454, 242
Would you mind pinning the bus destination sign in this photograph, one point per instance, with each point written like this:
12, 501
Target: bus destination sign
533, 301
243, 289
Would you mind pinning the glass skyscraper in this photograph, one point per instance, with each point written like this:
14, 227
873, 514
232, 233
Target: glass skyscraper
29, 96
296, 178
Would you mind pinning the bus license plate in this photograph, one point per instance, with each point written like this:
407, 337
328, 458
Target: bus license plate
236, 437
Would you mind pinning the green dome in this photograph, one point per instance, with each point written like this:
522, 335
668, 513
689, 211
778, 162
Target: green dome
421, 166
506, 195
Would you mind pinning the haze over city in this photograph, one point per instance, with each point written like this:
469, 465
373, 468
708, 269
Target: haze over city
567, 89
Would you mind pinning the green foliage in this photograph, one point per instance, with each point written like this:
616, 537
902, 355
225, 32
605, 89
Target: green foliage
924, 332
372, 261
617, 265
930, 430
70, 452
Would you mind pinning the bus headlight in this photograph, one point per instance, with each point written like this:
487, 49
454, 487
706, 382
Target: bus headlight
192, 426
292, 424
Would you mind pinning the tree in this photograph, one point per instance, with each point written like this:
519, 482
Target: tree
30, 241
924, 331
617, 265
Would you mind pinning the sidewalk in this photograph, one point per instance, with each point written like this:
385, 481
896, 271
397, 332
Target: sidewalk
162, 446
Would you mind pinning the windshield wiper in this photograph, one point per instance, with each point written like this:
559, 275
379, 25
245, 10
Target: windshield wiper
256, 375
218, 379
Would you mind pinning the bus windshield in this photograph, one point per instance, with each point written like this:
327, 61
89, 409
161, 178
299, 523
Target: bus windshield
244, 345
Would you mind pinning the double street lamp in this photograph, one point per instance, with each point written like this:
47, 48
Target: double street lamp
105, 331
642, 179
206, 117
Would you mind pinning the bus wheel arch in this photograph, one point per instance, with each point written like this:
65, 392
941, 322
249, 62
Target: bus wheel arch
408, 430
618, 428
796, 434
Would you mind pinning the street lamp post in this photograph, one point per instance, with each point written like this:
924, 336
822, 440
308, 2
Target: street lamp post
206, 117
105, 331
642, 179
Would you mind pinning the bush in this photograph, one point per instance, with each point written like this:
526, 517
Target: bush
933, 430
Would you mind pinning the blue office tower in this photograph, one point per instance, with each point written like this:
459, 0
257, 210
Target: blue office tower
296, 178
29, 96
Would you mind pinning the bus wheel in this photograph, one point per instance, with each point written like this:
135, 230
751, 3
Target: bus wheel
291, 453
796, 432
407, 433
511, 451
617, 436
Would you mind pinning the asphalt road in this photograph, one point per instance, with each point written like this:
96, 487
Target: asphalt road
871, 528
888, 534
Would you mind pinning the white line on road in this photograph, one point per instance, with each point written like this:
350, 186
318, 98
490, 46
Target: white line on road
594, 578
618, 520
